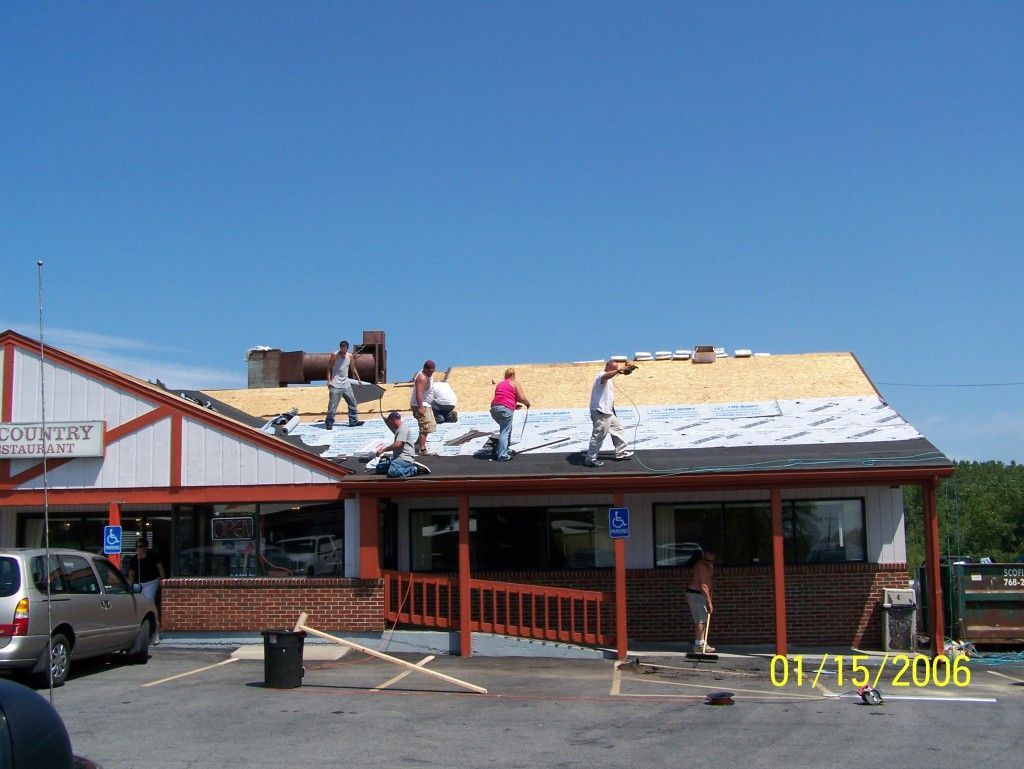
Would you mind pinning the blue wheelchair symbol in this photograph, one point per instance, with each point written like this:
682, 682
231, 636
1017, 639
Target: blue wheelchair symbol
111, 540
618, 522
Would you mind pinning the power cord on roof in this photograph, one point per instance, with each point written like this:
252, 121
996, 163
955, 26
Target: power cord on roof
788, 463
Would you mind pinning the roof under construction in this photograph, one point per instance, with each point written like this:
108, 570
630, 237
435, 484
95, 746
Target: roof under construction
762, 413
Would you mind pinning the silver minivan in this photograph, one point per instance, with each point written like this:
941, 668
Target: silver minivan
92, 610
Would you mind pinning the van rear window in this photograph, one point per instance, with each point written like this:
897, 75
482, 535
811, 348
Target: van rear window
10, 577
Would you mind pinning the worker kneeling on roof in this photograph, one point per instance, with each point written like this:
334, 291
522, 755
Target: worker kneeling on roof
402, 463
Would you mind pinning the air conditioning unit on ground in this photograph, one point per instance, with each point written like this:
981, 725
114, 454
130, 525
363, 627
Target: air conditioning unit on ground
899, 620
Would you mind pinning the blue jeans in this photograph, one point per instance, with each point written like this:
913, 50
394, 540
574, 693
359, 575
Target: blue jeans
335, 396
503, 416
442, 413
396, 468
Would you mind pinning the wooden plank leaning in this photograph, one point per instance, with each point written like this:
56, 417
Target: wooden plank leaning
300, 624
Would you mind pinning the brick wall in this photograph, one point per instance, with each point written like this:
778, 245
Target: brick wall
825, 604
197, 604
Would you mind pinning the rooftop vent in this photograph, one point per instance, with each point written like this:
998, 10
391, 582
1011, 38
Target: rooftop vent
704, 353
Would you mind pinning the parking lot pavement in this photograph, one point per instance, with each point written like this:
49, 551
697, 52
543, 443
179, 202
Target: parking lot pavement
192, 708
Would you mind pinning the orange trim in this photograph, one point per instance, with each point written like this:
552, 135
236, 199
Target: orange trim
29, 473
369, 538
175, 460
465, 604
109, 436
115, 434
609, 484
619, 547
114, 514
778, 572
188, 495
155, 394
7, 403
932, 569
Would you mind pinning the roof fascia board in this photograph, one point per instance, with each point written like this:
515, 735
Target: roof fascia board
182, 406
646, 483
301, 492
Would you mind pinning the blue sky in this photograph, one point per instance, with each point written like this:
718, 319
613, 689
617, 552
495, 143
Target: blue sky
500, 183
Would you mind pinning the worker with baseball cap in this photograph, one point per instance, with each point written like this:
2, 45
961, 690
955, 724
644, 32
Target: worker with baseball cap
402, 463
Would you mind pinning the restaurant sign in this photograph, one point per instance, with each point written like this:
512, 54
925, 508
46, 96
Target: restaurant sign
31, 440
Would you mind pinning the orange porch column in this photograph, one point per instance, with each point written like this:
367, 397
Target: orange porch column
369, 537
778, 572
936, 622
114, 516
621, 645
465, 604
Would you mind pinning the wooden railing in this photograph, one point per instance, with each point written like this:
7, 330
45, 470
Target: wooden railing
505, 608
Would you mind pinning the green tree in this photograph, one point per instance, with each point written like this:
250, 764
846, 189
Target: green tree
981, 513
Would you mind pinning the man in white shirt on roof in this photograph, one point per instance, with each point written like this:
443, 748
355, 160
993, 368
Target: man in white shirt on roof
339, 386
602, 414
443, 402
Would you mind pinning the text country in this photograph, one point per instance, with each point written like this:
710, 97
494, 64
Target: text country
37, 433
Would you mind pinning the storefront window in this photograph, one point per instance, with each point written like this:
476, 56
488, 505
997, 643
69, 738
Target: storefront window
680, 531
74, 531
217, 541
826, 531
578, 539
305, 540
814, 531
512, 538
435, 540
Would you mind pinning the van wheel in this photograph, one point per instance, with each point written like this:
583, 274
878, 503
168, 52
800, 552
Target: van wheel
138, 654
310, 572
60, 663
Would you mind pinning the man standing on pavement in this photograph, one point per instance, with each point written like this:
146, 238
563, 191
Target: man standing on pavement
698, 596
339, 386
403, 454
420, 403
602, 414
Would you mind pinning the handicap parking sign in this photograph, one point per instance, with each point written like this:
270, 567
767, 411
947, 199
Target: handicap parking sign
618, 522
111, 540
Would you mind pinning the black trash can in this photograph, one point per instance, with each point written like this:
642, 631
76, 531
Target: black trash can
282, 658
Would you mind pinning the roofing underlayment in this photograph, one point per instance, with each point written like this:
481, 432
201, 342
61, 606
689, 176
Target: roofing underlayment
782, 411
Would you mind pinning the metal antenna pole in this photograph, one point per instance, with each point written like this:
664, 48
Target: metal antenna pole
46, 496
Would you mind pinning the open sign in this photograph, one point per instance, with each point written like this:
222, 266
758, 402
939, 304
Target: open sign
232, 528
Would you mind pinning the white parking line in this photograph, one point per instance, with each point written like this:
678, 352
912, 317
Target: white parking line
400, 676
1003, 675
192, 672
784, 695
616, 680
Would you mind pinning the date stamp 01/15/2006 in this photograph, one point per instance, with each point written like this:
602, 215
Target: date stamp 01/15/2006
917, 670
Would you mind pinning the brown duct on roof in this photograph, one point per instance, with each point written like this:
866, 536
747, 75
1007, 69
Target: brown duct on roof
274, 368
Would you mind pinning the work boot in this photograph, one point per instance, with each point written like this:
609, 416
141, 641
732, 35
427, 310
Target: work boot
356, 423
328, 425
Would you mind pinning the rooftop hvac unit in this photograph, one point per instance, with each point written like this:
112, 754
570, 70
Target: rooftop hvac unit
899, 620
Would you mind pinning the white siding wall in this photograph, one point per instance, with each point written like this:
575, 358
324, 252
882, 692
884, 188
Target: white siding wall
211, 457
69, 395
139, 460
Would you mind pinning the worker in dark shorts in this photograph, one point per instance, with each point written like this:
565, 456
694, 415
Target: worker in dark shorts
698, 596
